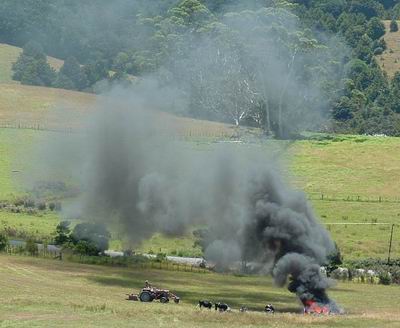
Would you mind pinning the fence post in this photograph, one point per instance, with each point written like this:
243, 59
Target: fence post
390, 243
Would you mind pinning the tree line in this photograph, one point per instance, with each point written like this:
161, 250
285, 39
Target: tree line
284, 66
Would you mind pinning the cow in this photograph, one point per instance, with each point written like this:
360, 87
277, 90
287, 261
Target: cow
243, 309
222, 307
269, 308
206, 304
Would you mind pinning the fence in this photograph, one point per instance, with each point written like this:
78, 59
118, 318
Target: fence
184, 133
352, 198
105, 260
38, 127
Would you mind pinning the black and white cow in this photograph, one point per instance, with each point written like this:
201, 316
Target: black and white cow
269, 308
206, 304
222, 307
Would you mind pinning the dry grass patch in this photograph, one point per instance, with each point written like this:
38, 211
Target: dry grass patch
390, 59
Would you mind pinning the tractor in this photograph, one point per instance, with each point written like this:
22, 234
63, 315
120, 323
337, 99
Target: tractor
150, 294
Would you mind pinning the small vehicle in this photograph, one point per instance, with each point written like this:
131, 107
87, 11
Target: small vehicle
150, 294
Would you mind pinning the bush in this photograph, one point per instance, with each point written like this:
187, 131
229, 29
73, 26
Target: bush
31, 247
41, 206
385, 278
84, 247
29, 203
95, 235
378, 51
394, 27
161, 257
3, 241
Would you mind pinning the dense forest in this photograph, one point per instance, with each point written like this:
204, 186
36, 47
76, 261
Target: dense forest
284, 66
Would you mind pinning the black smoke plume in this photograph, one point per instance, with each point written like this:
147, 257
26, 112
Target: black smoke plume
138, 178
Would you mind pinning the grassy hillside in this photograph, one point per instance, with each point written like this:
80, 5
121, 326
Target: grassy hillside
93, 296
9, 55
22, 105
390, 59
343, 166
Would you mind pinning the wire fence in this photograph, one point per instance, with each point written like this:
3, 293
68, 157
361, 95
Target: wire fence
38, 127
106, 260
352, 198
185, 133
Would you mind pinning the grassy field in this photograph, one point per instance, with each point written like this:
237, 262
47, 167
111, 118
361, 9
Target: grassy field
41, 227
336, 168
390, 59
31, 106
49, 293
8, 56
349, 165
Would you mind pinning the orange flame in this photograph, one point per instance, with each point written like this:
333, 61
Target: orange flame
312, 307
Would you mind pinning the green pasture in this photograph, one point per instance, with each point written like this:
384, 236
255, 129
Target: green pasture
22, 225
49, 293
338, 167
343, 166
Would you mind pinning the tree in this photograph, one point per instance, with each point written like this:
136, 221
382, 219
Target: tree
63, 232
375, 28
32, 68
71, 75
96, 71
394, 27
395, 93
370, 8
91, 235
364, 50
334, 260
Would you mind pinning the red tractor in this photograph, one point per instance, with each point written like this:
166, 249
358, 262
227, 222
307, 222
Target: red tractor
149, 294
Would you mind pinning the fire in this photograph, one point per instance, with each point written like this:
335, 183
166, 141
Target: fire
313, 307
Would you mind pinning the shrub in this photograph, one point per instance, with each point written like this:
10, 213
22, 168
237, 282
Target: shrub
161, 257
31, 247
378, 51
385, 278
3, 241
95, 235
19, 202
41, 206
394, 27
29, 203
84, 247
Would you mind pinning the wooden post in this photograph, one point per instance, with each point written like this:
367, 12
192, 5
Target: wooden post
390, 243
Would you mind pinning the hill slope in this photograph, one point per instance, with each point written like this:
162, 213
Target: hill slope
390, 59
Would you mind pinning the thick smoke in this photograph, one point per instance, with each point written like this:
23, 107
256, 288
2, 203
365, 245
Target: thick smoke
139, 179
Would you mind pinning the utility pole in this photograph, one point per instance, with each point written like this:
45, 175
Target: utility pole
390, 243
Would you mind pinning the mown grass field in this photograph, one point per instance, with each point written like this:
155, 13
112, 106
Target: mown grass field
50, 293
